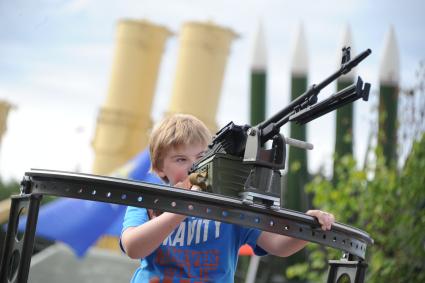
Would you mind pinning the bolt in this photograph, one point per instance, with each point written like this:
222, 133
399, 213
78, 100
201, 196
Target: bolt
252, 132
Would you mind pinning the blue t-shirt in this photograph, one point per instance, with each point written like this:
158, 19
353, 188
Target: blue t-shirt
198, 250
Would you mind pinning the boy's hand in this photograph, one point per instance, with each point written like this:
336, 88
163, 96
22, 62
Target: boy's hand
325, 219
186, 184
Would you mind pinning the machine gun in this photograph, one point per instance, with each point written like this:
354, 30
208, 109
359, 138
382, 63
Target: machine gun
238, 171
237, 162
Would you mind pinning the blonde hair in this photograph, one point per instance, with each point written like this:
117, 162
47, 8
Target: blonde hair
174, 131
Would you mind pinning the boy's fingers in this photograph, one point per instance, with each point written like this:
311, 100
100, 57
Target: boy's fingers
196, 188
184, 184
187, 183
325, 219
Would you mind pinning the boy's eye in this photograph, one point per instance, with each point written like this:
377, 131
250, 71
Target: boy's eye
181, 159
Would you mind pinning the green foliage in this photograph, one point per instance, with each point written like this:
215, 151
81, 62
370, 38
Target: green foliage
8, 188
388, 204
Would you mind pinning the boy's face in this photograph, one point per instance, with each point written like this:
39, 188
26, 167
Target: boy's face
178, 161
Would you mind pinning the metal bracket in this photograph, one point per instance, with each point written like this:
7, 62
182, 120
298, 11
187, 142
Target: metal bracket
348, 269
16, 258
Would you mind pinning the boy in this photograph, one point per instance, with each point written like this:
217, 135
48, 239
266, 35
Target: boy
178, 248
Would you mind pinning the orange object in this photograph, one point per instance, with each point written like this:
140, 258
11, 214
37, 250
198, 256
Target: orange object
246, 250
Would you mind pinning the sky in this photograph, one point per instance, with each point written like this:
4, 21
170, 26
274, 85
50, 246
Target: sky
56, 60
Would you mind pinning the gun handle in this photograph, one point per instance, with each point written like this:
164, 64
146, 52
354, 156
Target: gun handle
299, 144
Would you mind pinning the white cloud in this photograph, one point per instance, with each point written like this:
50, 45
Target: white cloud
76, 6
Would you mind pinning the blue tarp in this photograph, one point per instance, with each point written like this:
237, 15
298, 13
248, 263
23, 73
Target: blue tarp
79, 223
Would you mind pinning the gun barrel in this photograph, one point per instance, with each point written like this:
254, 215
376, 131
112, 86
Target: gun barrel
310, 93
355, 61
339, 99
345, 68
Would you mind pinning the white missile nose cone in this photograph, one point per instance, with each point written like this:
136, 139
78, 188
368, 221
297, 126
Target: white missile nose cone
259, 58
299, 53
389, 72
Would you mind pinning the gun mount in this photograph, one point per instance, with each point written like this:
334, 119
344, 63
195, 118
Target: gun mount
237, 162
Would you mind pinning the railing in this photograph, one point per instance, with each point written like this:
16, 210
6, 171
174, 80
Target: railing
16, 256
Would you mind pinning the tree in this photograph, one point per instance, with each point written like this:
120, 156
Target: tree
388, 204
